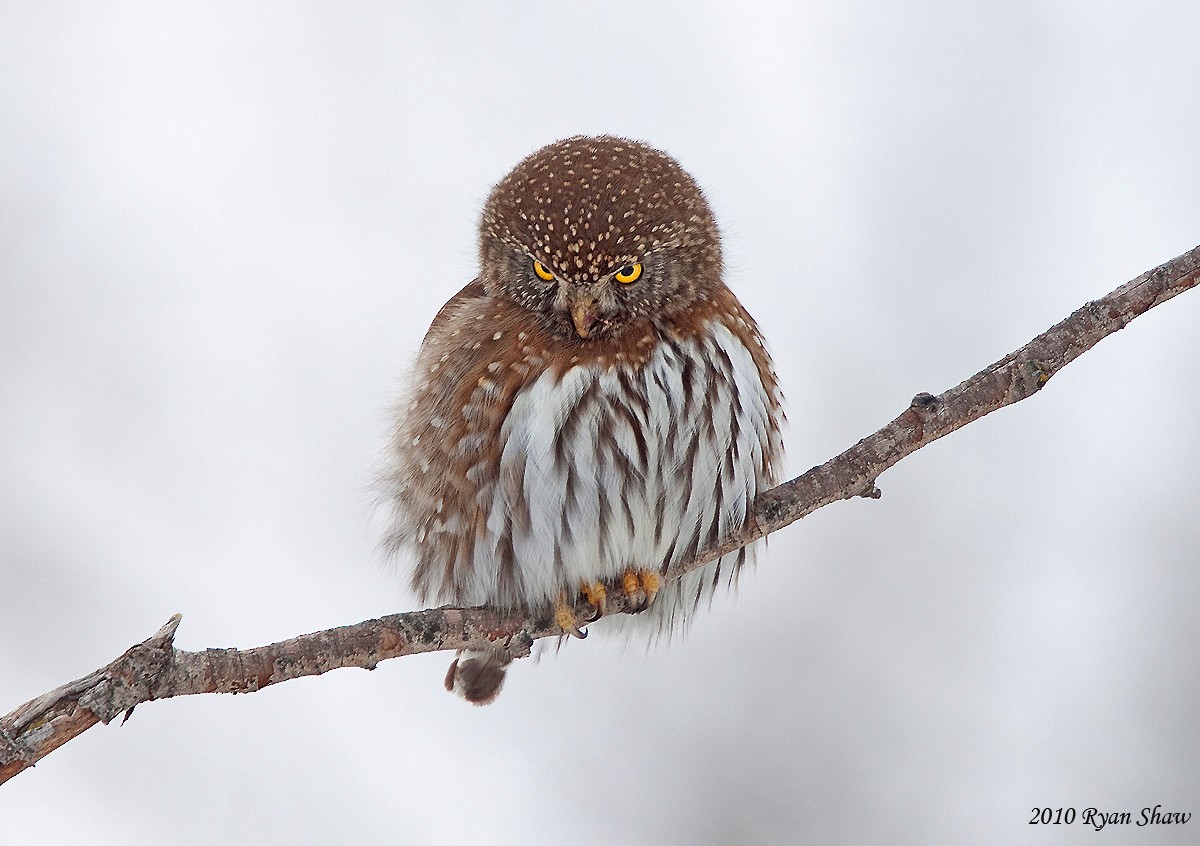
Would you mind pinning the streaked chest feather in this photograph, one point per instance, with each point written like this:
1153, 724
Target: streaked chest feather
583, 473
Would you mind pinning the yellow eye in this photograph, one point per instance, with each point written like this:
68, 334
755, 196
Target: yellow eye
629, 273
542, 272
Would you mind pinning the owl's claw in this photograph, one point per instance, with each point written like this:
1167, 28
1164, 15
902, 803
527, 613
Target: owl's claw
564, 611
640, 586
564, 615
597, 596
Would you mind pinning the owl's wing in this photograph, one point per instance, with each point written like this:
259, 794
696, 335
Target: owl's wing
472, 291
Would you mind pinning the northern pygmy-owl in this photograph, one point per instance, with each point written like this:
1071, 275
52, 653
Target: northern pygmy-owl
594, 407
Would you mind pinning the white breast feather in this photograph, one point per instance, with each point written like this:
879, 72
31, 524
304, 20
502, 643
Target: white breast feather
580, 526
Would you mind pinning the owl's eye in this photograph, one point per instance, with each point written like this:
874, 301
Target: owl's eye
542, 271
629, 273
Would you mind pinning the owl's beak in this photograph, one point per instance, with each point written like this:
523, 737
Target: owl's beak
583, 313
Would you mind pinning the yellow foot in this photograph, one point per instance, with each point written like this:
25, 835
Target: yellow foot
640, 586
564, 610
597, 596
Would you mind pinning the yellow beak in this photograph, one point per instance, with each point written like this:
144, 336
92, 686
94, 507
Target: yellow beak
583, 313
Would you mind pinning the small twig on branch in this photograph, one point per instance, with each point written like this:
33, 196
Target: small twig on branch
155, 669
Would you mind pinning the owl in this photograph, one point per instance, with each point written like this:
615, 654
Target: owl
594, 407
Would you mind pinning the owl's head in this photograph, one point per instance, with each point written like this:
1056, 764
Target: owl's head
593, 234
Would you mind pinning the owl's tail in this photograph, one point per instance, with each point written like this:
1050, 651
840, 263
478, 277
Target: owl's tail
478, 676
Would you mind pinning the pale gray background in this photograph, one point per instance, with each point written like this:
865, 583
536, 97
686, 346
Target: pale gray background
223, 231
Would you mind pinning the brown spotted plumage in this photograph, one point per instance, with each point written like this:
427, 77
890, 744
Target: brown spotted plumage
594, 407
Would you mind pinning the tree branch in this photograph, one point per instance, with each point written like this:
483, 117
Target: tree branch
155, 669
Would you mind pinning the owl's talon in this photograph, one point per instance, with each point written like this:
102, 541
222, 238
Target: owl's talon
651, 583
633, 590
564, 616
597, 596
640, 586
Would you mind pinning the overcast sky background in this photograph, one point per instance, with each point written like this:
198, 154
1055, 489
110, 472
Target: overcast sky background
225, 227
